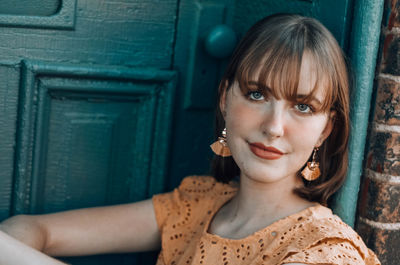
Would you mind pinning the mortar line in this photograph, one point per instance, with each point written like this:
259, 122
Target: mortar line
380, 127
389, 179
390, 77
380, 225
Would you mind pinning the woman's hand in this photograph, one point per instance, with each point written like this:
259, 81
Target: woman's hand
113, 229
25, 229
13, 252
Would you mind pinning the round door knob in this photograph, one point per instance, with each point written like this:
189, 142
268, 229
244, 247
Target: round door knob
220, 41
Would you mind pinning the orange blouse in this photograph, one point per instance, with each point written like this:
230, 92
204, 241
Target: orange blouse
311, 236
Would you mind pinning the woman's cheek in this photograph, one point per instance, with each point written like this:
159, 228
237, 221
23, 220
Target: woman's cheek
309, 131
240, 117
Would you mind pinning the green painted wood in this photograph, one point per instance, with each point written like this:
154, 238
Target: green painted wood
30, 7
91, 136
9, 78
81, 59
198, 81
49, 14
88, 136
248, 12
202, 69
335, 15
363, 53
115, 32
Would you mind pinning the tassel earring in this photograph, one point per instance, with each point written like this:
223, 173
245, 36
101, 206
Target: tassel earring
311, 171
220, 147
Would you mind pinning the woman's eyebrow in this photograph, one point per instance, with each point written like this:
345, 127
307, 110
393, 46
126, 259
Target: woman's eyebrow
312, 98
263, 86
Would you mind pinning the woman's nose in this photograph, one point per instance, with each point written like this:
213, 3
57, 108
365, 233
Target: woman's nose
273, 122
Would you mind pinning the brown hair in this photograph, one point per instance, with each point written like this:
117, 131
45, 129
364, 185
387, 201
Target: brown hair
274, 47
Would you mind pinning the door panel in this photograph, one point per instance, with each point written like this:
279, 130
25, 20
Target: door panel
30, 7
91, 136
87, 136
56, 14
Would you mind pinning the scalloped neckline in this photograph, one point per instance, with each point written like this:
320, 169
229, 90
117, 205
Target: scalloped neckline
263, 231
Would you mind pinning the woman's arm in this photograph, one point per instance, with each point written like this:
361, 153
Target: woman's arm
113, 229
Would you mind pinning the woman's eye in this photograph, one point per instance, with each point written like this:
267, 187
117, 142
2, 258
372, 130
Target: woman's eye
255, 95
303, 108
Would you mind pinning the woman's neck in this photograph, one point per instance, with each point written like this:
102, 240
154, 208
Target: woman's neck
257, 205
271, 200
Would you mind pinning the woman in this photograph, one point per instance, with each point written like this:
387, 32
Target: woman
284, 118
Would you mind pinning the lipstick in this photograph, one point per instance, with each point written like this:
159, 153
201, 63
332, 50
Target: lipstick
265, 152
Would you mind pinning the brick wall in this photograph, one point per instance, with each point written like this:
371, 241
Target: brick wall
379, 204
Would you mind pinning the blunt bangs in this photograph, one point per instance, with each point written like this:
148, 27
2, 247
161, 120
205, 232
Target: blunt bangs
274, 63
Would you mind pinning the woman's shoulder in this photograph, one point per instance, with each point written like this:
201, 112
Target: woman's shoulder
321, 235
325, 223
202, 185
194, 196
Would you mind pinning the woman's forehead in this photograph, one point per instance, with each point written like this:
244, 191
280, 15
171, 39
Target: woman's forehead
309, 79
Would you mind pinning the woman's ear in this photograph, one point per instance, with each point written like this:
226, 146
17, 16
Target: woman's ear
328, 128
222, 98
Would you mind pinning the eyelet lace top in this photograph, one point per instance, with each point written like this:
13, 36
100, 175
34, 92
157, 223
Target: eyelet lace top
312, 236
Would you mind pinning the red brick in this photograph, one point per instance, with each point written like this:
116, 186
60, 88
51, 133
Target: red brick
393, 8
379, 201
385, 243
384, 153
390, 63
387, 107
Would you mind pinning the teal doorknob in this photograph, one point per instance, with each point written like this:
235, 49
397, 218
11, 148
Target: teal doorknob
220, 41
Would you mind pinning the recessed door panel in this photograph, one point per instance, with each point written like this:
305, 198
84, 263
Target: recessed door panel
90, 136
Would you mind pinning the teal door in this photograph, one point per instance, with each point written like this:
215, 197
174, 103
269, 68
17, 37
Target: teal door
107, 102
87, 95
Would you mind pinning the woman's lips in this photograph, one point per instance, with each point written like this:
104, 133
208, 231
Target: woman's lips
265, 152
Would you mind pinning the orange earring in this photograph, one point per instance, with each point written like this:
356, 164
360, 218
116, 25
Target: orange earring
311, 171
220, 147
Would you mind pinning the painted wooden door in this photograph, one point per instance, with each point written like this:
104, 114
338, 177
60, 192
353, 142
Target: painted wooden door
87, 94
111, 101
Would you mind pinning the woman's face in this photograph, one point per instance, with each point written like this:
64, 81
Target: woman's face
269, 138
